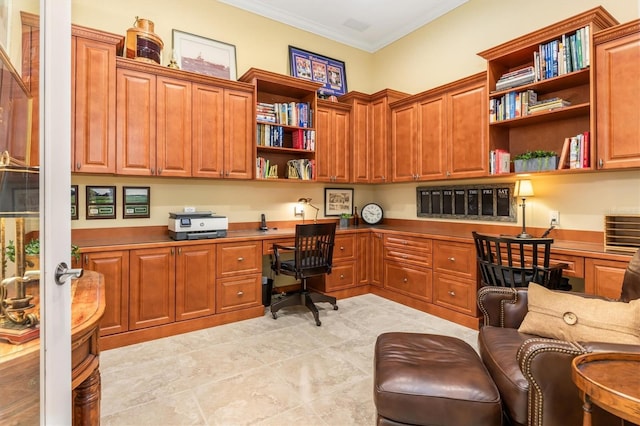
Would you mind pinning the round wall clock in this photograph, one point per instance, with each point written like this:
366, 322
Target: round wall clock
371, 214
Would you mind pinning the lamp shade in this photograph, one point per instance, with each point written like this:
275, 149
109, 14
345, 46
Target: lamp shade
523, 188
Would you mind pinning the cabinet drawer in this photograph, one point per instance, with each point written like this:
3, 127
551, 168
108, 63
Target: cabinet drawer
342, 276
413, 282
455, 258
575, 264
239, 258
238, 293
344, 247
455, 293
406, 256
267, 245
408, 243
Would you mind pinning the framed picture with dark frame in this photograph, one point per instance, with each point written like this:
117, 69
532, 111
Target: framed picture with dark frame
320, 69
74, 202
204, 56
136, 202
338, 201
101, 202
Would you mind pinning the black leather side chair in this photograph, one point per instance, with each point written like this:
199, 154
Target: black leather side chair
313, 255
515, 262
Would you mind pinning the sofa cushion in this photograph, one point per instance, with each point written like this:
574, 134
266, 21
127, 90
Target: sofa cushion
498, 349
570, 317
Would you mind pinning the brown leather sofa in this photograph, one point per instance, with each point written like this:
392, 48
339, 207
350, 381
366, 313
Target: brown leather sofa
533, 374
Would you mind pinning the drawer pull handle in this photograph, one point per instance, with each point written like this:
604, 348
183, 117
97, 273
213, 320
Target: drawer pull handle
341, 276
404, 256
452, 293
240, 293
341, 247
405, 280
452, 259
240, 259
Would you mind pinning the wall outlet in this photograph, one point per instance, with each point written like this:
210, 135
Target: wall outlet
298, 210
554, 217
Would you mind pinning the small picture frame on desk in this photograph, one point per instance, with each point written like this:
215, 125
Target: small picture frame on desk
338, 201
101, 202
136, 202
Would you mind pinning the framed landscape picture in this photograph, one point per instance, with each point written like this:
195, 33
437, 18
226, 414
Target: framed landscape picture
135, 202
320, 69
101, 202
204, 56
338, 201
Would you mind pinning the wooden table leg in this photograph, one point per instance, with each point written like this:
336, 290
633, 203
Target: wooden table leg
586, 408
86, 401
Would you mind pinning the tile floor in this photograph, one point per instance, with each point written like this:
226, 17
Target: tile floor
262, 371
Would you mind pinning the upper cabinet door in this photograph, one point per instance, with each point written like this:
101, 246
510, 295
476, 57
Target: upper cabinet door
618, 97
238, 140
208, 131
94, 106
404, 125
432, 143
136, 123
173, 127
467, 141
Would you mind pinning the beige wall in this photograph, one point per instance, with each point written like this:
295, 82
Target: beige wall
434, 54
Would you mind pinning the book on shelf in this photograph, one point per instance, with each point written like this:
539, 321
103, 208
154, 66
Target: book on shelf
304, 139
266, 170
303, 169
499, 162
296, 114
580, 151
516, 78
569, 53
563, 162
511, 105
269, 135
547, 104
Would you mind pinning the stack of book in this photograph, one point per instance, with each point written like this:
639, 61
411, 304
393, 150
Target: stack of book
265, 112
548, 104
285, 113
576, 152
303, 169
516, 78
499, 162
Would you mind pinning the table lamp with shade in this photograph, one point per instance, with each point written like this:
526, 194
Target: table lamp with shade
523, 189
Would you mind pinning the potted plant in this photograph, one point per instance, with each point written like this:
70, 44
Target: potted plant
535, 161
32, 253
344, 220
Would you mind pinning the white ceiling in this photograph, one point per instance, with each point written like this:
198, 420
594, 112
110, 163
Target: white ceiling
368, 25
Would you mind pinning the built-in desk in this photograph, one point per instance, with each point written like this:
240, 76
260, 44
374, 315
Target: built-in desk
187, 285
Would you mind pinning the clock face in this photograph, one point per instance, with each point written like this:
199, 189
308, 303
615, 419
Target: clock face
371, 213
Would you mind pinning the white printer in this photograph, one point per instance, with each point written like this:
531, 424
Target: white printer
197, 225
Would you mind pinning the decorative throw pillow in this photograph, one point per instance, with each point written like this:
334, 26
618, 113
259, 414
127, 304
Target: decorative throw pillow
573, 318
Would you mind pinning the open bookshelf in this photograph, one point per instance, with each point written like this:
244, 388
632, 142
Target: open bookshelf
284, 125
541, 87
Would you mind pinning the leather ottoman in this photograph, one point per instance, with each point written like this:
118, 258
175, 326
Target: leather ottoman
425, 379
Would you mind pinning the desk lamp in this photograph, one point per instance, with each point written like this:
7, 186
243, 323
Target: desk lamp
307, 201
523, 190
19, 199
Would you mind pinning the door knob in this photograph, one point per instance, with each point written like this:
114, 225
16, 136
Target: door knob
63, 272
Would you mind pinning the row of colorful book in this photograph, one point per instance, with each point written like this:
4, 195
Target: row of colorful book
576, 152
520, 104
303, 169
269, 135
286, 113
265, 169
499, 162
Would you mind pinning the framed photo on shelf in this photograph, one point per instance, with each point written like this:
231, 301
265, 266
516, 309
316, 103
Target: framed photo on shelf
204, 56
320, 69
135, 202
74, 202
338, 201
101, 202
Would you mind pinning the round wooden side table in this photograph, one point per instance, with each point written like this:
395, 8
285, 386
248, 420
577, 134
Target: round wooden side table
611, 381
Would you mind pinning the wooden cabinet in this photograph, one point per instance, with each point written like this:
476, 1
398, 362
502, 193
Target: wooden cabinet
604, 277
407, 266
376, 265
363, 258
195, 281
239, 272
333, 142
454, 276
441, 133
153, 124
281, 99
618, 96
114, 266
93, 85
547, 130
152, 291
93, 92
370, 134
176, 124
222, 132
343, 272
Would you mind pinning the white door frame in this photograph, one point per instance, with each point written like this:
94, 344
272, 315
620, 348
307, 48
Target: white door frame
55, 213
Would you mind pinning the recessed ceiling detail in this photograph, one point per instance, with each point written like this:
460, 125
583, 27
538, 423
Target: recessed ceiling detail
364, 24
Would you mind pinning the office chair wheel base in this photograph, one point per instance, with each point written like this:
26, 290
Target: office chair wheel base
335, 307
318, 323
274, 315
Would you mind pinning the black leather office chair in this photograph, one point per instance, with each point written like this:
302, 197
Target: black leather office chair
515, 262
313, 254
